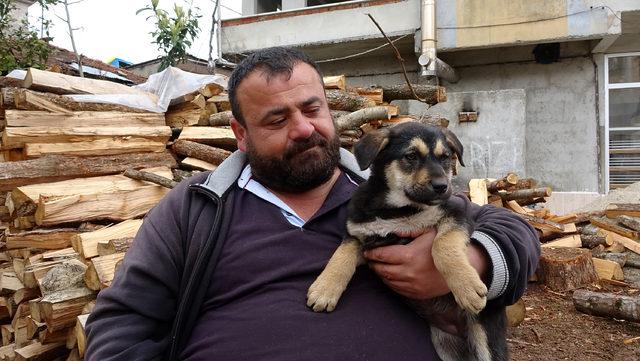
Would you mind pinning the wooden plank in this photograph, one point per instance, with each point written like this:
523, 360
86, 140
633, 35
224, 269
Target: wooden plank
609, 225
26, 118
16, 137
53, 168
215, 136
111, 146
41, 239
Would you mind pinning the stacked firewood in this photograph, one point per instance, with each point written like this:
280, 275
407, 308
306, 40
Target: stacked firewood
578, 249
76, 178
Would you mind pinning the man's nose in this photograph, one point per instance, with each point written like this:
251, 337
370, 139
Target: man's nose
301, 127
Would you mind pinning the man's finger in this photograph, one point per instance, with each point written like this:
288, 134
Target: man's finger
388, 272
396, 254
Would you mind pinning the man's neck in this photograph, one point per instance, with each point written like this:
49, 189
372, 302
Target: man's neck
306, 204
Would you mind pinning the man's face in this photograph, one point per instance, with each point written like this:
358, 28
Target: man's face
289, 135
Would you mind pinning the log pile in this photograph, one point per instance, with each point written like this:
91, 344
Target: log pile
76, 178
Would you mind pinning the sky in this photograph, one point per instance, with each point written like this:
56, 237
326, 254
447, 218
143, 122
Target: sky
111, 28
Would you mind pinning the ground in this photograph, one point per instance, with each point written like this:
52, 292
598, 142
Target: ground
554, 330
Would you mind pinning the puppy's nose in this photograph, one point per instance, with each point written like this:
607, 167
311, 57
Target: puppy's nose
439, 186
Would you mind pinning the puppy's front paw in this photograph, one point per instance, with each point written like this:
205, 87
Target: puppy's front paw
323, 295
470, 294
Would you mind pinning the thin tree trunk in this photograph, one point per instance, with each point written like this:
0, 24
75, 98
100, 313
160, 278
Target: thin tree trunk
73, 42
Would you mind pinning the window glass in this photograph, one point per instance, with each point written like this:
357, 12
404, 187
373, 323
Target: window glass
624, 107
624, 69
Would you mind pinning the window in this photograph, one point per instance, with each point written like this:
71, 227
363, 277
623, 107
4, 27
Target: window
622, 113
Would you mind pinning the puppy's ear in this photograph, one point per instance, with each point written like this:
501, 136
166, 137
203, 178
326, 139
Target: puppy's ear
368, 147
454, 143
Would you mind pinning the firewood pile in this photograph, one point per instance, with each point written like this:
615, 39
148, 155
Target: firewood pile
578, 249
77, 177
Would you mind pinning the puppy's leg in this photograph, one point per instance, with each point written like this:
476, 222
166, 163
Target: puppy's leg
450, 258
324, 293
449, 347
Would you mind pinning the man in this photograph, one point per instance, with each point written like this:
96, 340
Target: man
220, 268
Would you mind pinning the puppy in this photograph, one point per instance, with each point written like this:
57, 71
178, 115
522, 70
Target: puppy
408, 191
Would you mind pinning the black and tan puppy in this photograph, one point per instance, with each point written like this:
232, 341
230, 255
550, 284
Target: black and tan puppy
409, 191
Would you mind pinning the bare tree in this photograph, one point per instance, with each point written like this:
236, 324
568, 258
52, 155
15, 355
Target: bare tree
214, 22
67, 20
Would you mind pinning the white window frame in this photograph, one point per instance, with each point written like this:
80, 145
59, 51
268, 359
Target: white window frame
608, 87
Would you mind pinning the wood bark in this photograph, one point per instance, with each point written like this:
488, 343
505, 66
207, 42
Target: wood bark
526, 194
618, 209
16, 137
611, 225
115, 246
66, 275
204, 152
335, 82
629, 222
341, 100
593, 240
150, 177
57, 167
220, 118
607, 305
563, 269
507, 181
37, 118
355, 119
432, 94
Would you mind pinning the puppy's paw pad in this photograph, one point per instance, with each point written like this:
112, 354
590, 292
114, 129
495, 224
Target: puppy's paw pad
323, 297
471, 296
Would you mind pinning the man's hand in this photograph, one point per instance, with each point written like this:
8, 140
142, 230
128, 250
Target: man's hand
409, 269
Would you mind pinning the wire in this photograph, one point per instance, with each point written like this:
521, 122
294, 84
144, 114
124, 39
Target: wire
361, 53
230, 9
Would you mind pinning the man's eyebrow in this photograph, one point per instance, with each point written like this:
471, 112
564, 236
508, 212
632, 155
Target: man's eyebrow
272, 112
310, 101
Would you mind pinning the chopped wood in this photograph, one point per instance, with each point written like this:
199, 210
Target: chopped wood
111, 146
205, 114
25, 294
568, 241
25, 99
203, 152
478, 191
33, 274
432, 94
607, 305
335, 82
65, 275
6, 308
611, 225
626, 242
514, 206
372, 93
150, 177
507, 181
516, 313
17, 137
101, 271
86, 244
342, 100
614, 210
19, 318
25, 118
185, 114
115, 246
60, 309
66, 84
220, 118
193, 163
544, 224
221, 101
609, 270
467, 117
359, 117
593, 240
619, 258
10, 283
629, 222
526, 194
41, 352
563, 269
215, 136
42, 239
7, 334
79, 331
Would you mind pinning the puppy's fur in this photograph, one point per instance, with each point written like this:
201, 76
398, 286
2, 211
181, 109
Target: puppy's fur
408, 191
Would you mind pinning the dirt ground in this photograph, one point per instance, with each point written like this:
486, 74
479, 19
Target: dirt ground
554, 330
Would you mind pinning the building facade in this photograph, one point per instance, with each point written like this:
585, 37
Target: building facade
556, 83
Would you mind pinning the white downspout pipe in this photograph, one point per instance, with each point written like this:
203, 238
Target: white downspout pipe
428, 59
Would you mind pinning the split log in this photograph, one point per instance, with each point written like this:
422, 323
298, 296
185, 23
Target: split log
341, 100
33, 274
185, 114
607, 305
618, 209
115, 246
25, 294
543, 224
197, 164
180, 174
608, 270
220, 137
527, 183
47, 336
356, 119
568, 241
629, 222
432, 94
112, 146
17, 137
507, 181
80, 334
56, 167
101, 271
478, 191
211, 89
610, 225
25, 99
66, 275
335, 114
221, 101
34, 327
373, 93
619, 258
335, 82
24, 118
86, 244
220, 118
204, 152
42, 239
628, 243
9, 283
60, 309
516, 313
150, 177
206, 113
66, 84
526, 194
41, 352
7, 335
564, 269
6, 308
593, 240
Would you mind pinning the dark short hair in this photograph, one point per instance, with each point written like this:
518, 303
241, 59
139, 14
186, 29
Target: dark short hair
272, 61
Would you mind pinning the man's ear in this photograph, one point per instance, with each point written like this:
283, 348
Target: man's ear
368, 147
454, 144
240, 132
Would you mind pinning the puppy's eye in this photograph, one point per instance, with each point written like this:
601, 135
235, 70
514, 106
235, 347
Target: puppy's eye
411, 157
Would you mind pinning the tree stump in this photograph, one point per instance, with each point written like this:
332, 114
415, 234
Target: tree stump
563, 269
607, 305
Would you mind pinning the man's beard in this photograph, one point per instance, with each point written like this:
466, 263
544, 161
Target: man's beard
297, 171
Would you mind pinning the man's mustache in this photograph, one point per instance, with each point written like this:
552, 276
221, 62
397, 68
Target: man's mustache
302, 145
